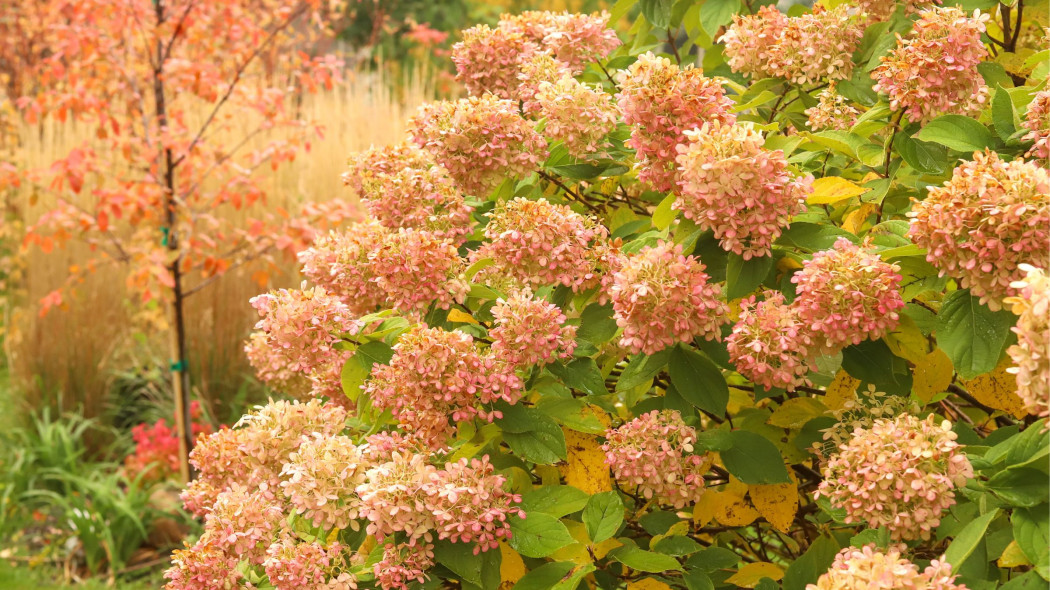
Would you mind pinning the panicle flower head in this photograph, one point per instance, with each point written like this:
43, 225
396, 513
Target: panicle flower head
301, 328
540, 243
381, 446
1031, 354
861, 412
654, 452
573, 39
833, 111
339, 263
244, 523
576, 114
321, 479
661, 101
393, 497
1037, 121
730, 184
480, 140
402, 564
982, 224
770, 344
415, 268
204, 565
487, 59
417, 194
530, 331
934, 70
300, 565
750, 40
661, 297
848, 294
816, 46
900, 473
469, 504
868, 568
540, 67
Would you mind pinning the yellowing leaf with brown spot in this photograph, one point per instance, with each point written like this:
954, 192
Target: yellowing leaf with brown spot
731, 509
647, 584
734, 309
832, 189
585, 466
907, 341
795, 412
511, 568
777, 503
997, 390
461, 317
575, 552
751, 574
1013, 556
932, 375
856, 218
842, 389
704, 510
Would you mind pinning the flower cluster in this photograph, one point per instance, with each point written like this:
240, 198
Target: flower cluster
661, 297
540, 243
879, 10
1037, 121
573, 39
833, 111
320, 480
204, 565
1031, 354
736, 188
661, 101
403, 563
803, 49
576, 114
934, 70
480, 141
868, 568
540, 67
243, 523
401, 187
487, 59
469, 505
654, 452
982, 224
900, 473
292, 565
861, 413
436, 375
156, 455
771, 345
847, 295
300, 329
530, 331
339, 263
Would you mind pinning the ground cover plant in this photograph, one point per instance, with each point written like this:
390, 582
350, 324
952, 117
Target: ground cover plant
618, 320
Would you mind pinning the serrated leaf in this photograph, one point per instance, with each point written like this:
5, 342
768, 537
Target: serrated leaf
966, 541
698, 380
645, 561
777, 503
932, 375
603, 515
832, 189
753, 459
538, 535
585, 467
958, 133
751, 574
972, 335
664, 215
795, 412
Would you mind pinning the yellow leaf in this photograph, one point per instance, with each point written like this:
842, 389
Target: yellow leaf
795, 412
461, 317
704, 510
1013, 556
832, 189
997, 390
856, 218
932, 375
734, 309
907, 341
647, 584
777, 503
731, 509
751, 574
585, 466
843, 389
511, 568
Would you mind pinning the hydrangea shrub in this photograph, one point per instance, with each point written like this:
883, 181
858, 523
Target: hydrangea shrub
766, 308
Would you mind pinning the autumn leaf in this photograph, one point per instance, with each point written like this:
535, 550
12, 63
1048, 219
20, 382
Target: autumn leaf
777, 503
997, 390
585, 466
751, 574
511, 567
843, 389
832, 189
932, 375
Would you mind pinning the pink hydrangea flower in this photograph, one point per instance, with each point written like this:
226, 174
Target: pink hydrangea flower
469, 504
393, 498
339, 263
301, 328
771, 344
661, 297
540, 67
487, 59
573, 39
982, 224
403, 564
661, 101
654, 453
321, 479
415, 269
369, 171
530, 331
1031, 354
298, 565
750, 40
1037, 121
869, 568
733, 186
900, 473
577, 115
244, 523
204, 565
882, 10
934, 70
848, 295
833, 111
481, 141
540, 243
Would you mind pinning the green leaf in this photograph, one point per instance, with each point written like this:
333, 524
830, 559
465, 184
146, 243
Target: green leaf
677, 546
1024, 486
873, 362
1032, 533
353, 376
573, 413
642, 368
578, 171
645, 561
460, 559
1003, 117
532, 434
753, 459
698, 380
657, 12
538, 535
695, 580
715, 13
744, 276
597, 325
814, 562
928, 158
966, 541
580, 374
664, 214
545, 577
556, 501
603, 516
972, 335
958, 133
